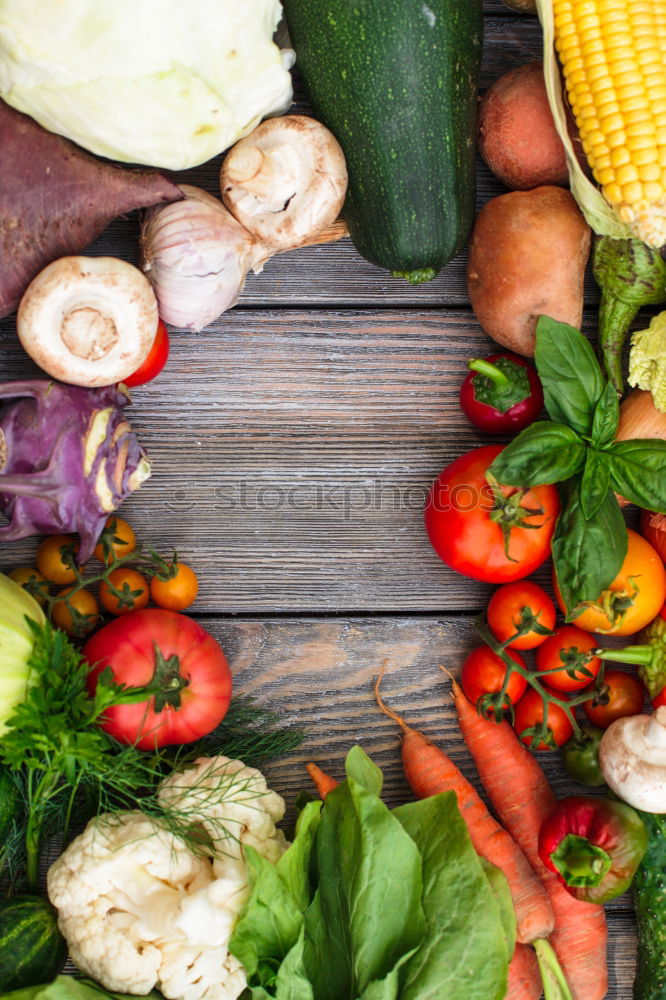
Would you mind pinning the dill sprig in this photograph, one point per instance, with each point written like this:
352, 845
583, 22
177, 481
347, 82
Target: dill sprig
68, 769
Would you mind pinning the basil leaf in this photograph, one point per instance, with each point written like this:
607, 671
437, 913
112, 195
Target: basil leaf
366, 913
544, 452
569, 372
587, 553
638, 472
606, 417
595, 481
464, 955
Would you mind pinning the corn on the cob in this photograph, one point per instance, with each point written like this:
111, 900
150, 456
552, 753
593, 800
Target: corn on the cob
613, 55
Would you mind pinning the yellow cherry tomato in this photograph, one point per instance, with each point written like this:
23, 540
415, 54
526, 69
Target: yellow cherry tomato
83, 603
118, 539
49, 559
28, 574
177, 593
133, 591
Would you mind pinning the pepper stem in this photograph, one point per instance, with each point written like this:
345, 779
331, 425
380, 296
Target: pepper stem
491, 371
555, 986
641, 656
580, 862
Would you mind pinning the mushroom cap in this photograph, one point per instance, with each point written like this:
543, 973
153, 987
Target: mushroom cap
632, 758
285, 181
88, 321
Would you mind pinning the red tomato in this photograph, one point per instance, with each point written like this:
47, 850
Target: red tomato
185, 663
155, 362
483, 672
529, 713
507, 607
626, 695
568, 647
463, 515
659, 699
633, 598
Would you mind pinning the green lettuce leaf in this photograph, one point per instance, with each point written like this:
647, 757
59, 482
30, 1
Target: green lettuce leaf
464, 955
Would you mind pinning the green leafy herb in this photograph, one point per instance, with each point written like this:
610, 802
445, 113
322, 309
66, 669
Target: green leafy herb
570, 374
587, 553
578, 449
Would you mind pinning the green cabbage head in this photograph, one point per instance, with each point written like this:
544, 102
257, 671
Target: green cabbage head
169, 83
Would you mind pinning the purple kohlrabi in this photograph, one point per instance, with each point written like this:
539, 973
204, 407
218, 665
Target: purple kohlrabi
68, 458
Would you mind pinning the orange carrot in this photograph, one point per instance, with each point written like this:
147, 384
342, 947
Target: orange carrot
524, 978
323, 782
521, 796
429, 771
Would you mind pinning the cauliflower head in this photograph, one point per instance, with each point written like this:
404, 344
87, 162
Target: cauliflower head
647, 360
141, 910
232, 803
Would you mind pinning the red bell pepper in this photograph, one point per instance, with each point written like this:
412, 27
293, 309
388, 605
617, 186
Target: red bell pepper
502, 393
594, 846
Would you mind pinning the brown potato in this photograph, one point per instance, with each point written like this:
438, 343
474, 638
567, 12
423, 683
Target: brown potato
517, 137
527, 258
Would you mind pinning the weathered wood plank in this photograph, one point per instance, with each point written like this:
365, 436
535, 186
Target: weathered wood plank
292, 455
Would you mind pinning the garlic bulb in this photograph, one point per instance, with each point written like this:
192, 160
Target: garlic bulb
197, 258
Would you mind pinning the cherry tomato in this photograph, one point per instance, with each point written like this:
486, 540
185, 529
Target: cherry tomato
26, 574
117, 539
189, 671
507, 607
502, 393
133, 590
634, 597
49, 559
155, 362
177, 593
462, 518
483, 672
626, 695
529, 713
569, 647
84, 604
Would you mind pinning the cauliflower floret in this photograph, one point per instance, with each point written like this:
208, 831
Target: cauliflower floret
232, 803
139, 910
647, 360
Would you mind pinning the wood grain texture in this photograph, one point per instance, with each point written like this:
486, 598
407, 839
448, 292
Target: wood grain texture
292, 455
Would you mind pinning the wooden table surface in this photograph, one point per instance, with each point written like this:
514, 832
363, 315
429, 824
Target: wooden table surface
293, 443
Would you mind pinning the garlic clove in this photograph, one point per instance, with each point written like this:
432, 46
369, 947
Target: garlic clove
88, 321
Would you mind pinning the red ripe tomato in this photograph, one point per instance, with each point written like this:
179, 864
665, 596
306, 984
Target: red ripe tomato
626, 695
155, 362
529, 712
508, 606
189, 671
483, 672
492, 536
569, 648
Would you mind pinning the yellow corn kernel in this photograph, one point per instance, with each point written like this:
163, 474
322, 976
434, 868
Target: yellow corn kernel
615, 77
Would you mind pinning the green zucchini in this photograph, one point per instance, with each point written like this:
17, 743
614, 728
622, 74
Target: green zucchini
649, 892
32, 949
396, 81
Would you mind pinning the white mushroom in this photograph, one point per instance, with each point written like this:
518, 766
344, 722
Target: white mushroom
632, 757
88, 321
286, 181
